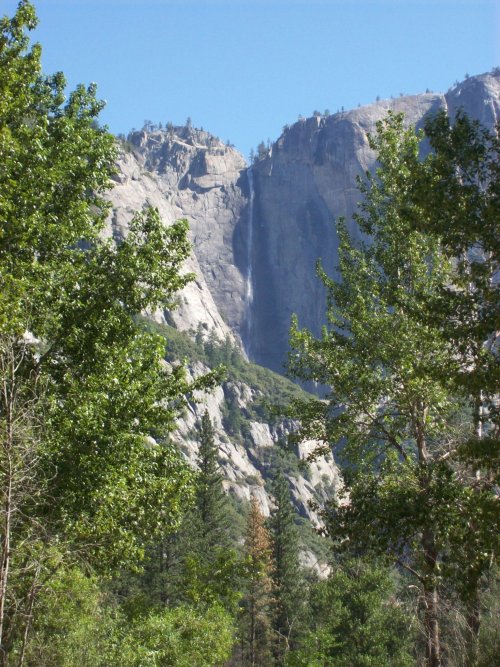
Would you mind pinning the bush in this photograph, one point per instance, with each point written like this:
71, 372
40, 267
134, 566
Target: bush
358, 621
75, 624
180, 637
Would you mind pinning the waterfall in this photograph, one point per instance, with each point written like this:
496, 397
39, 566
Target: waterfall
249, 277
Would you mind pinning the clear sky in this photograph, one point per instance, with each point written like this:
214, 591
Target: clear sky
244, 68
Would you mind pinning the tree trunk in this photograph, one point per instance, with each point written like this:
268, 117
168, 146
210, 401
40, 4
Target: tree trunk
431, 596
431, 624
431, 600
429, 551
473, 618
4, 567
29, 616
252, 633
7, 491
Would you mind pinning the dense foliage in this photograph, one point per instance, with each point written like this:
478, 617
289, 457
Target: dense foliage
357, 621
289, 610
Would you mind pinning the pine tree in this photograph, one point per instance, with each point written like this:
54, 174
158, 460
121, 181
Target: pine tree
259, 585
211, 500
199, 563
210, 562
357, 620
288, 607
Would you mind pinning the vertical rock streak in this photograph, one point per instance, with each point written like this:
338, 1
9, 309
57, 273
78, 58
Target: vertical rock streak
249, 277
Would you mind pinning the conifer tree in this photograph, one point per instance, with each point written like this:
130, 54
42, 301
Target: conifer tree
258, 599
288, 597
209, 560
198, 564
211, 500
357, 620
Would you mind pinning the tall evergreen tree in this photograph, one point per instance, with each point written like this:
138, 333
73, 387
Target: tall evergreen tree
288, 594
256, 619
199, 564
209, 560
211, 500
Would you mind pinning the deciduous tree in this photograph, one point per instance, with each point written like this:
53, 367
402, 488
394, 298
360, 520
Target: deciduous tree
86, 401
394, 410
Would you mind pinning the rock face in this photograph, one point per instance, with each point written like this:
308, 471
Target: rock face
306, 182
246, 462
257, 232
188, 173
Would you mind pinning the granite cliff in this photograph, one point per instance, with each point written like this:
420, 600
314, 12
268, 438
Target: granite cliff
305, 182
257, 231
188, 173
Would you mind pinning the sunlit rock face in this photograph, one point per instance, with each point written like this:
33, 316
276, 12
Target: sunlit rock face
478, 96
246, 461
188, 173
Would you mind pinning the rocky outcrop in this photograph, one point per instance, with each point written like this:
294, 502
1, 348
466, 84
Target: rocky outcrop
248, 461
478, 96
188, 173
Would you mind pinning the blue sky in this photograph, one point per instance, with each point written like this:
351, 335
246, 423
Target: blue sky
244, 68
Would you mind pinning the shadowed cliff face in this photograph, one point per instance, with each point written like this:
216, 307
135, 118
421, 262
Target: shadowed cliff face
306, 182
255, 258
